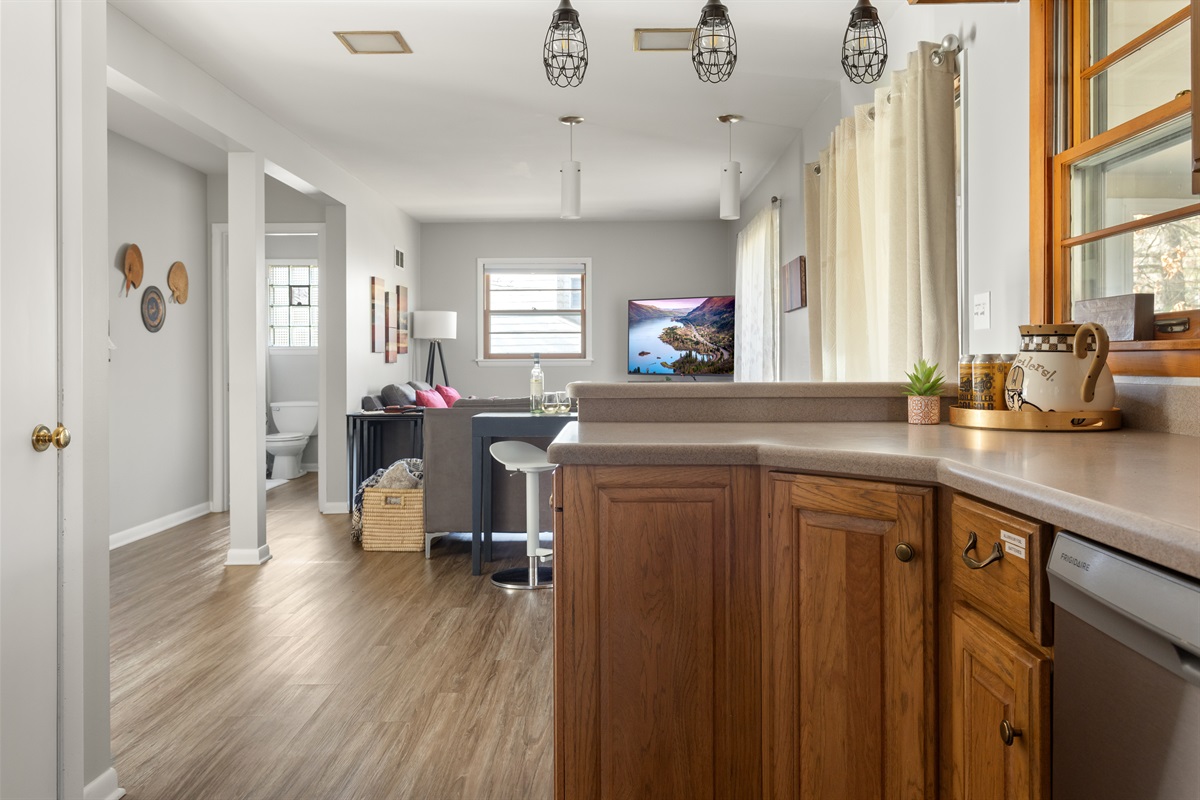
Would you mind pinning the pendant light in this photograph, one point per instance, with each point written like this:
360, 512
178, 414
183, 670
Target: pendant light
731, 176
571, 174
565, 53
714, 45
864, 48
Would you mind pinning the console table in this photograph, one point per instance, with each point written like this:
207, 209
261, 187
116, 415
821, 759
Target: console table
364, 442
485, 429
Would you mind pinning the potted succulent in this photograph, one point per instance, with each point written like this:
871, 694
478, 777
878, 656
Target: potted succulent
924, 390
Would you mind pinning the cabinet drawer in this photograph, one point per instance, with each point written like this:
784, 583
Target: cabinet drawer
1012, 588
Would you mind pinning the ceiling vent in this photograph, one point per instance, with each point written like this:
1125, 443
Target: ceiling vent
663, 40
373, 42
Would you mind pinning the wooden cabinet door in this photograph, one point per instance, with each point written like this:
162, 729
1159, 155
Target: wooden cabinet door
996, 679
656, 634
849, 695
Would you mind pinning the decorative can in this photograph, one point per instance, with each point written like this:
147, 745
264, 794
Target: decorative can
986, 392
964, 380
1002, 369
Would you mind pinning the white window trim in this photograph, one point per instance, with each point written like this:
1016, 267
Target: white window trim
588, 294
287, 262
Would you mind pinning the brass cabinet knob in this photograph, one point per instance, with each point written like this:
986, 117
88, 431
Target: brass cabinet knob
905, 552
43, 437
1008, 733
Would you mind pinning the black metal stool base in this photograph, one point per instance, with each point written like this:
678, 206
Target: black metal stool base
518, 578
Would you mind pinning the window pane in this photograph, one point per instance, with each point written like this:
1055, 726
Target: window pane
299, 316
534, 280
300, 337
1148, 174
314, 296
279, 337
545, 343
512, 300
299, 296
529, 323
279, 276
1118, 22
1142, 81
279, 317
1164, 260
299, 276
312, 337
312, 275
279, 295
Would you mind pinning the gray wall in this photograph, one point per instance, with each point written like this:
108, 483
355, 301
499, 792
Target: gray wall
158, 382
629, 260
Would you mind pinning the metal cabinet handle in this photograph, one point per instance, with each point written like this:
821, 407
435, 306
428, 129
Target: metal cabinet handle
972, 540
1008, 733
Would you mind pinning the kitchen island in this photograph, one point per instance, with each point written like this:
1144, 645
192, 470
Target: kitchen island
757, 603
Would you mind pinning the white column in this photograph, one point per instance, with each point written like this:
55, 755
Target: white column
247, 287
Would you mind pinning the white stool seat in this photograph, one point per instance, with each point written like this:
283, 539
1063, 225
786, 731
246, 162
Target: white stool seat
283, 438
521, 456
524, 457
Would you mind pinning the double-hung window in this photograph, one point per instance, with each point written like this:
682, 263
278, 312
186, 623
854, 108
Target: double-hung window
532, 306
1112, 169
292, 295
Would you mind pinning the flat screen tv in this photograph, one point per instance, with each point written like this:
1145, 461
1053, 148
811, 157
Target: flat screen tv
681, 336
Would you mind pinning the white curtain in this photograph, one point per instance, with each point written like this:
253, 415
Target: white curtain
756, 322
881, 235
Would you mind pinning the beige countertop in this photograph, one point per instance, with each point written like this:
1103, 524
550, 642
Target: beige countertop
1136, 491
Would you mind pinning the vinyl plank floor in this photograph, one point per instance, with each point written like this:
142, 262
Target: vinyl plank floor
329, 672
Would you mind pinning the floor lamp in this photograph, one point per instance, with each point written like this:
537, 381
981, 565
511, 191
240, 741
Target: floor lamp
435, 326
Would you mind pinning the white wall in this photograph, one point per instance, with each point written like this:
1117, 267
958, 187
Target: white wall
629, 260
158, 382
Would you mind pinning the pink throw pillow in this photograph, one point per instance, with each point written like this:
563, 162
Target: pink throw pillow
430, 399
450, 395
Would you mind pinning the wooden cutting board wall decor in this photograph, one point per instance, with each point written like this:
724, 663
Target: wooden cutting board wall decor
133, 267
177, 282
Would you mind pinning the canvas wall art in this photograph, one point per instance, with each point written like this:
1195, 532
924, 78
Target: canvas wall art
402, 320
378, 322
795, 284
389, 323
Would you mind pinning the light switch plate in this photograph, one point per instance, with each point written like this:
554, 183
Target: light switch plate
981, 311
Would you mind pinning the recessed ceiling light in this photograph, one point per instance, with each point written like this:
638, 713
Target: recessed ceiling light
373, 42
662, 40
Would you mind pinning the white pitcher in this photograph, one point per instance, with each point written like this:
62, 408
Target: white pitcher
1061, 368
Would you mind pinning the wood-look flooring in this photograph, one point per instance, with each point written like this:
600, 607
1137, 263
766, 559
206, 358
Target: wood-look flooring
326, 673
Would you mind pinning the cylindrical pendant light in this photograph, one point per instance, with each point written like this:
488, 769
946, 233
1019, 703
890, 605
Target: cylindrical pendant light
714, 44
565, 52
572, 174
731, 176
864, 47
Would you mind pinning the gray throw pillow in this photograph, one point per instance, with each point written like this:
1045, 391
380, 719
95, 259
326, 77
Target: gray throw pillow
398, 395
371, 402
421, 386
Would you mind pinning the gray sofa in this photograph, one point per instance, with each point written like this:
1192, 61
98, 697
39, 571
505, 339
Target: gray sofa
448, 471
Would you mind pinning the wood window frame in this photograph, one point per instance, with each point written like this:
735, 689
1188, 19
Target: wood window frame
486, 356
1052, 22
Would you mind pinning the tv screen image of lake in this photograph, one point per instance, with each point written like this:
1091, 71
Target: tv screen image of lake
681, 336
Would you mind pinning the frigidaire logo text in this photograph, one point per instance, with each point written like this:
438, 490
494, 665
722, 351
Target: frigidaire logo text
1070, 559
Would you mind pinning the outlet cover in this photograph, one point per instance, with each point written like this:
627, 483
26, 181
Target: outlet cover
981, 311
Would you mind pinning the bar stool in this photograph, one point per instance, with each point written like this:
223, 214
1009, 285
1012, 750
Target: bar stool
524, 457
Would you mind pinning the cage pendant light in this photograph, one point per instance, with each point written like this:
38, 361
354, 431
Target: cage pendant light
571, 175
714, 45
731, 176
565, 53
864, 48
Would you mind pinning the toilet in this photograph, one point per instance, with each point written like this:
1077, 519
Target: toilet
295, 421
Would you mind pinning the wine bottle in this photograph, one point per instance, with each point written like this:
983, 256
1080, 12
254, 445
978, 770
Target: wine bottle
537, 385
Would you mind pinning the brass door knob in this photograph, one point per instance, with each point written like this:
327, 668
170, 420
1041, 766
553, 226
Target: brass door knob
905, 552
43, 437
1008, 733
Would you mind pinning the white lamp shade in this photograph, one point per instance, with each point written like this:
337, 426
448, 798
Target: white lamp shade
435, 324
571, 174
731, 190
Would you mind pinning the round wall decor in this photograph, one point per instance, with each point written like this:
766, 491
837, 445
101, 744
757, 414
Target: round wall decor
154, 309
133, 267
177, 282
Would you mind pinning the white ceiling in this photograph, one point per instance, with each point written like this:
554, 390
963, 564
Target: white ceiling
466, 128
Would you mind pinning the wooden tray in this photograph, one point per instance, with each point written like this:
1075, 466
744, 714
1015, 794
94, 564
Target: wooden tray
1036, 420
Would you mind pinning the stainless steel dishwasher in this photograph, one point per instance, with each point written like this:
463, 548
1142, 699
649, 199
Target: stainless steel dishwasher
1126, 676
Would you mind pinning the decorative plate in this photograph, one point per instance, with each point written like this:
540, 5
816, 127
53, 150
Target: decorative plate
133, 267
154, 309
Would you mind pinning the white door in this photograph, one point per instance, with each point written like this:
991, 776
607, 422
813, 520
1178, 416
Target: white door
30, 514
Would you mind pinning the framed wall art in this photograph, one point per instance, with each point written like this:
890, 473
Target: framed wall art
795, 284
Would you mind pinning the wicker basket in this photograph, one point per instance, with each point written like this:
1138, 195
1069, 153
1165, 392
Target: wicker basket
393, 519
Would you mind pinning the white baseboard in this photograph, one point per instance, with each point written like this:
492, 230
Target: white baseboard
308, 466
335, 508
248, 557
104, 787
159, 525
